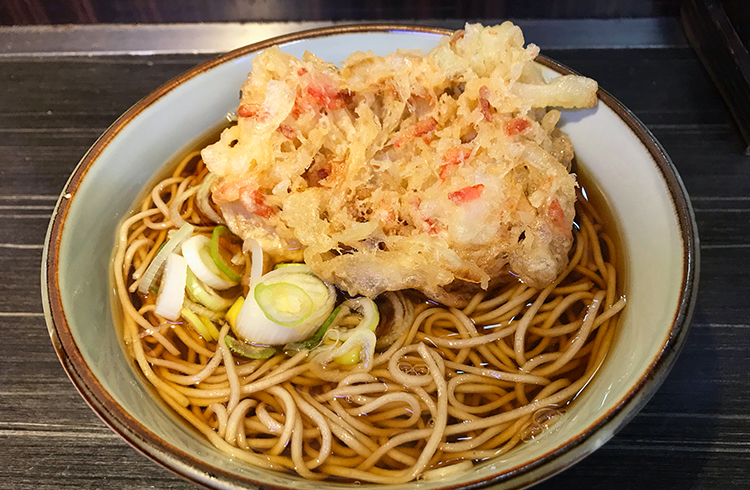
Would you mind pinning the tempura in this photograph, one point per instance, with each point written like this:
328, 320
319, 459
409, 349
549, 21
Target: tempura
439, 173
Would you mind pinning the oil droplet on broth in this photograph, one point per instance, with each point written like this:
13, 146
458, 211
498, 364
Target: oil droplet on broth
404, 367
421, 369
547, 417
530, 432
541, 420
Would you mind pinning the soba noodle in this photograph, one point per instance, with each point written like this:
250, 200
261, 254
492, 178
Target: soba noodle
456, 387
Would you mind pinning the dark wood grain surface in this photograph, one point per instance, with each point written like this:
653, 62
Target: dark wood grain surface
695, 433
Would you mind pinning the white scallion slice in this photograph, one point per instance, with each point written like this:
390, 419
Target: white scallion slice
170, 246
283, 303
256, 267
201, 310
200, 293
248, 350
279, 266
350, 352
210, 327
172, 293
233, 311
198, 325
316, 339
198, 255
275, 313
367, 310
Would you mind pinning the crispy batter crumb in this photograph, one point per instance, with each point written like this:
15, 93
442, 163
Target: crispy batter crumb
405, 171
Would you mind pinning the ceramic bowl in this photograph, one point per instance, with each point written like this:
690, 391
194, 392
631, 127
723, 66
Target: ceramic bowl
639, 183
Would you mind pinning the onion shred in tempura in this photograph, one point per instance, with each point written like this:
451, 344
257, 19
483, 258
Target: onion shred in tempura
439, 172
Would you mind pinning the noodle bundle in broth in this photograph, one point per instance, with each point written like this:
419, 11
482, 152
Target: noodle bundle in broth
284, 369
457, 386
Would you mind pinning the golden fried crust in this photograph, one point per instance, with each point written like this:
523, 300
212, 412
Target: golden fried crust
405, 171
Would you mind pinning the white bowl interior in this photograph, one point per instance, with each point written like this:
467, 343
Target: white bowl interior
612, 154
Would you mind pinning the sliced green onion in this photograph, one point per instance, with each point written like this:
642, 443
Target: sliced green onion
324, 328
216, 254
313, 341
279, 266
234, 311
283, 303
368, 311
249, 350
200, 293
256, 268
167, 248
195, 322
210, 327
293, 268
172, 294
350, 358
350, 352
201, 310
197, 252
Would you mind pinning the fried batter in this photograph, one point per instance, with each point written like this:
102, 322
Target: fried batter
406, 171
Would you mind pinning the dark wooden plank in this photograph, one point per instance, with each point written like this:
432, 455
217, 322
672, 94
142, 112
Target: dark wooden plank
91, 87
24, 340
40, 163
709, 373
722, 221
50, 437
20, 288
53, 111
614, 467
51, 460
50, 120
724, 288
32, 231
652, 84
708, 159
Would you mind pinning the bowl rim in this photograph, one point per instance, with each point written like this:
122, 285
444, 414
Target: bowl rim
185, 465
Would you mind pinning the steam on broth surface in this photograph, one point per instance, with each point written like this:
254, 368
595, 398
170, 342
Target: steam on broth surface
438, 307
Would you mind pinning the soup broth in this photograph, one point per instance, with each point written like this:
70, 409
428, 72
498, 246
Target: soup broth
451, 379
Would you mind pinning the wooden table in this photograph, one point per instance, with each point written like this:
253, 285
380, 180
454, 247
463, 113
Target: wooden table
695, 433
